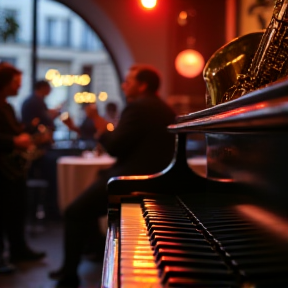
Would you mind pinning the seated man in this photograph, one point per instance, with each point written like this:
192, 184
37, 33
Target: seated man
141, 144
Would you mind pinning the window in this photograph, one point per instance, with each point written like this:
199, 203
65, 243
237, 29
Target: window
66, 29
58, 32
89, 39
51, 25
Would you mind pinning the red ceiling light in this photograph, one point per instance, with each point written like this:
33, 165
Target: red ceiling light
189, 63
149, 4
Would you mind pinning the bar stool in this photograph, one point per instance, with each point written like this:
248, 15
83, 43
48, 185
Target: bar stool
37, 189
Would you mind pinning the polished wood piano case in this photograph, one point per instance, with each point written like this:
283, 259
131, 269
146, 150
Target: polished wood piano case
228, 229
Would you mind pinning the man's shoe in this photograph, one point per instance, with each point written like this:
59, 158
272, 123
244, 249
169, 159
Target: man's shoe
56, 274
6, 268
68, 282
27, 255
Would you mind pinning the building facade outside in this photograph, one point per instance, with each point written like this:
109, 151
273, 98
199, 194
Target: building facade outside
65, 43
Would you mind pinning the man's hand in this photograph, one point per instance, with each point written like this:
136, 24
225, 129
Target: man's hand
67, 120
23, 141
54, 113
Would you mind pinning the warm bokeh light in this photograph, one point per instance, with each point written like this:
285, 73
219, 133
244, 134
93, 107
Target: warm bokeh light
103, 96
110, 127
68, 80
51, 73
182, 18
85, 97
149, 4
83, 80
183, 15
57, 79
189, 63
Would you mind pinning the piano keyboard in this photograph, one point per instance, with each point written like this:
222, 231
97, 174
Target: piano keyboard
160, 247
163, 244
137, 262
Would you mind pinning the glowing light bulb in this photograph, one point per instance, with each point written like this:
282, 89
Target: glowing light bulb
149, 4
189, 63
103, 96
182, 18
110, 127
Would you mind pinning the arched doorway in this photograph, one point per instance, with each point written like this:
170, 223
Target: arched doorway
92, 13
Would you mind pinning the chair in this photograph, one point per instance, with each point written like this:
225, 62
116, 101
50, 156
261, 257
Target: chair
37, 190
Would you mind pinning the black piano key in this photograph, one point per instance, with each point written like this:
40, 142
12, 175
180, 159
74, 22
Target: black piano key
192, 253
178, 211
196, 274
200, 247
172, 233
158, 207
188, 228
190, 262
186, 224
176, 239
185, 282
167, 218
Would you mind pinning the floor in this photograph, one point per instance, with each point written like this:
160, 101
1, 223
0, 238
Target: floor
35, 275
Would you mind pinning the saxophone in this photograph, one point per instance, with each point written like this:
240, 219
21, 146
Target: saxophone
261, 59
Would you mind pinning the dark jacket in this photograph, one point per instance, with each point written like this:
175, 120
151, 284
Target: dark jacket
11, 164
35, 107
141, 141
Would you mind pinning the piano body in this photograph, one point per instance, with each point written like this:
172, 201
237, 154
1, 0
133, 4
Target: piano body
228, 229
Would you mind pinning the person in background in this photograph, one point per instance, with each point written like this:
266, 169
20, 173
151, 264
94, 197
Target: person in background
86, 130
34, 108
141, 144
13, 141
35, 114
111, 114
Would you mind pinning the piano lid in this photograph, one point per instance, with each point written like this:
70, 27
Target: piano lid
260, 109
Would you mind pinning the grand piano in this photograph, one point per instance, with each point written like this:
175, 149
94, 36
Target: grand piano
228, 229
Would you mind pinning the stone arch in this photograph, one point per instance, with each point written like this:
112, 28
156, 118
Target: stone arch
100, 22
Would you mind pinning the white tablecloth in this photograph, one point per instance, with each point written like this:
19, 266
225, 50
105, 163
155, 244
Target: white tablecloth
76, 173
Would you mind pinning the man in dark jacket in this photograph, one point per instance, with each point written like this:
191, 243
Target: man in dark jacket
34, 107
13, 141
141, 144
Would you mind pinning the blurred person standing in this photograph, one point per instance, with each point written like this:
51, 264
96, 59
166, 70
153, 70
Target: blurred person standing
141, 144
35, 113
13, 141
35, 109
